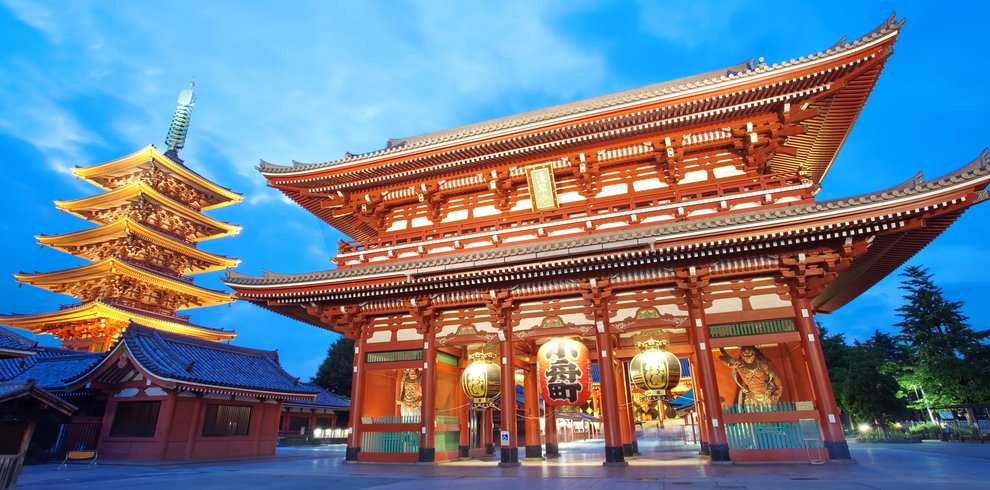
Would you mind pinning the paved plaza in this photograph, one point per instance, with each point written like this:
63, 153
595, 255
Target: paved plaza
670, 466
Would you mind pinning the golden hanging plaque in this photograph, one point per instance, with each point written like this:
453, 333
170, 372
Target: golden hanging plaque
542, 188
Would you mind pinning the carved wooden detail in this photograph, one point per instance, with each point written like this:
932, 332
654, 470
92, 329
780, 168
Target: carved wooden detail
349, 320
810, 271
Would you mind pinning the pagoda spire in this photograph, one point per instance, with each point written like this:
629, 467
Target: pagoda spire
177, 131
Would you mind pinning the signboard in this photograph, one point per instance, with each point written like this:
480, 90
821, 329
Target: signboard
542, 188
505, 437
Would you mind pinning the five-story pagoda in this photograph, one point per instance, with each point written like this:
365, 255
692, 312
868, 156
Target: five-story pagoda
149, 222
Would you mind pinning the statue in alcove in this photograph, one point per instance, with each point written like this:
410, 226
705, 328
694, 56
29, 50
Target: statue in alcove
758, 384
411, 393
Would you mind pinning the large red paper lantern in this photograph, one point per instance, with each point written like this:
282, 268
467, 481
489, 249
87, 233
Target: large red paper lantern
564, 369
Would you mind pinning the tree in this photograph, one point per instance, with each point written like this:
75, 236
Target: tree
949, 358
334, 375
867, 392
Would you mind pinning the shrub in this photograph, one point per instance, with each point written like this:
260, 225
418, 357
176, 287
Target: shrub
927, 430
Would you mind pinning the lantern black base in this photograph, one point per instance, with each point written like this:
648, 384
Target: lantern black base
510, 457
490, 449
534, 452
704, 449
614, 457
635, 446
552, 450
719, 452
351, 454
427, 455
463, 451
838, 449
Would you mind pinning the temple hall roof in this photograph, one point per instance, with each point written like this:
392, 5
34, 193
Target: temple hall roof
30, 389
50, 367
324, 399
200, 365
12, 344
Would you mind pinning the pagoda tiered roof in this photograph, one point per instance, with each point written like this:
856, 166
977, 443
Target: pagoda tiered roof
118, 239
828, 89
134, 200
97, 312
186, 363
148, 165
115, 278
898, 222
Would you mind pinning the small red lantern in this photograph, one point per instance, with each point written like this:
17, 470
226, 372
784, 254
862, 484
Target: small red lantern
564, 369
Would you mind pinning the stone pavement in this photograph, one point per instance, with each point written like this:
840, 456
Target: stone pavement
927, 465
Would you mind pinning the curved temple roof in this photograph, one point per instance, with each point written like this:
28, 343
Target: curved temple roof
199, 365
668, 239
733, 75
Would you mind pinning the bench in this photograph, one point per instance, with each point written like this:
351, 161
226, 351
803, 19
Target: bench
87, 458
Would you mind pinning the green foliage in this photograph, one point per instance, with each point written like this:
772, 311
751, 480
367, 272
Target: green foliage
947, 358
835, 351
884, 432
927, 430
335, 373
867, 391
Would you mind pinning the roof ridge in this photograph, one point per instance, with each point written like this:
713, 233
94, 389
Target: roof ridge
731, 72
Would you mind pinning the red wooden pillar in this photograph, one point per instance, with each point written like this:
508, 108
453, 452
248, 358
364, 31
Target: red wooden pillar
357, 402
718, 446
510, 447
835, 440
531, 410
701, 422
625, 421
463, 424
427, 443
168, 416
195, 425
550, 428
487, 425
610, 398
627, 388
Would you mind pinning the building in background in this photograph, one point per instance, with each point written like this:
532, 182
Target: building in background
145, 382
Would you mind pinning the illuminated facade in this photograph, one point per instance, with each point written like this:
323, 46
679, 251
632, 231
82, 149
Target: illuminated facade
684, 210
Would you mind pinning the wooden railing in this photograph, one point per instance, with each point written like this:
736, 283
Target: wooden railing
769, 435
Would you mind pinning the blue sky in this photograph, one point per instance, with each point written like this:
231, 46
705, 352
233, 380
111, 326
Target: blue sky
85, 82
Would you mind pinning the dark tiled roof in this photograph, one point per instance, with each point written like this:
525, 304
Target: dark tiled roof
28, 388
737, 71
602, 242
325, 399
14, 342
182, 358
50, 368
